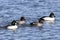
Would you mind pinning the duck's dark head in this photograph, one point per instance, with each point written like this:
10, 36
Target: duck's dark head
22, 18
51, 14
33, 23
41, 20
13, 22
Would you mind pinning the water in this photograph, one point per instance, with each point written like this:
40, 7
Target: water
32, 10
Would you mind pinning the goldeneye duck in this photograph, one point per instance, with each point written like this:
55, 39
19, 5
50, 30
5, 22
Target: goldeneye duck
51, 17
13, 25
21, 21
39, 23
33, 23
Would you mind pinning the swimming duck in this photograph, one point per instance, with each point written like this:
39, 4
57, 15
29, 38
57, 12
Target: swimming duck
51, 17
22, 21
13, 25
33, 24
39, 23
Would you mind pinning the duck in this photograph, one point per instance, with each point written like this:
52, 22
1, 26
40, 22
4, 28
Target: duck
39, 23
51, 17
22, 21
13, 25
33, 23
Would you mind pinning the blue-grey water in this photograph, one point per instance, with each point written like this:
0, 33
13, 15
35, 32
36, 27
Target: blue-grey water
32, 10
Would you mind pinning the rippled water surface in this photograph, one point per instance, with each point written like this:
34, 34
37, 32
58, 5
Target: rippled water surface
32, 10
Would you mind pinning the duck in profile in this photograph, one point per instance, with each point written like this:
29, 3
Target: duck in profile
33, 24
39, 23
21, 21
13, 25
51, 17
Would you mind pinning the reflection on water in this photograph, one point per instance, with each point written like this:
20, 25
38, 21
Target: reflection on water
50, 22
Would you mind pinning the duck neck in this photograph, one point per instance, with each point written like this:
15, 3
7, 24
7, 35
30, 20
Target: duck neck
51, 16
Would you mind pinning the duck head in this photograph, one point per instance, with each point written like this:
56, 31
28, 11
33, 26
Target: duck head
22, 18
14, 22
51, 14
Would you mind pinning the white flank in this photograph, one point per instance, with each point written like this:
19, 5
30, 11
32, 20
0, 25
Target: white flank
48, 19
12, 27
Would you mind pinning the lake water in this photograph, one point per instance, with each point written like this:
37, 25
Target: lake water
32, 10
